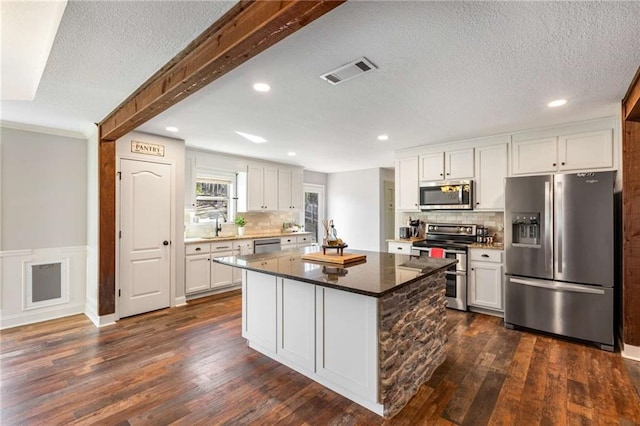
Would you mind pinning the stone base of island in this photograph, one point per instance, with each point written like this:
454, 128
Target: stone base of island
372, 332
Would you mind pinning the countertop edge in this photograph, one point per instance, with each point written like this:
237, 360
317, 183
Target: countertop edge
200, 240
337, 287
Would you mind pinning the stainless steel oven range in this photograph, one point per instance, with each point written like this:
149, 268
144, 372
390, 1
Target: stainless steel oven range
454, 240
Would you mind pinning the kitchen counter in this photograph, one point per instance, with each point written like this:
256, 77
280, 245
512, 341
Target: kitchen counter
405, 240
373, 331
494, 246
380, 274
244, 237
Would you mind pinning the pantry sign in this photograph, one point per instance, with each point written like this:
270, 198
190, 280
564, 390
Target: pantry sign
147, 148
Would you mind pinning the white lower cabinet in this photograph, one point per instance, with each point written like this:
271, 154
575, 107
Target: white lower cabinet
329, 335
296, 322
288, 243
400, 248
202, 273
347, 341
303, 241
197, 273
221, 275
486, 279
259, 309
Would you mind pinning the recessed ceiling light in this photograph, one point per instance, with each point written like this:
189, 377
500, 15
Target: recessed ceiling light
557, 103
262, 87
252, 138
383, 137
291, 154
171, 129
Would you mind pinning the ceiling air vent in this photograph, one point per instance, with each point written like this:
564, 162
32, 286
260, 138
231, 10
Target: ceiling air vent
348, 71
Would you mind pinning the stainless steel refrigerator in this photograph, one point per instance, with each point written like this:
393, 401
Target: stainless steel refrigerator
559, 255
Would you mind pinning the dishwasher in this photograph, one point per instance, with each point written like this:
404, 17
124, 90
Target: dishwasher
266, 245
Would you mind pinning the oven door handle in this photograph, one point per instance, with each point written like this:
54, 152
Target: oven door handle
455, 251
459, 273
446, 250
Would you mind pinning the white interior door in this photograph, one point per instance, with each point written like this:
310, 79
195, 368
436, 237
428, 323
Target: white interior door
145, 224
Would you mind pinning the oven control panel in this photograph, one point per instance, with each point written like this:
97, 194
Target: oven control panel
451, 229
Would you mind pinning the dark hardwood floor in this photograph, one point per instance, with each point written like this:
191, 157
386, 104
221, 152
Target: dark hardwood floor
190, 366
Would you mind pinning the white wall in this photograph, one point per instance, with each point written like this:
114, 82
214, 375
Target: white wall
315, 178
93, 226
44, 190
354, 204
44, 217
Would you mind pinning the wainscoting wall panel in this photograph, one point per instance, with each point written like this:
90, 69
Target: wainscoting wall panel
20, 306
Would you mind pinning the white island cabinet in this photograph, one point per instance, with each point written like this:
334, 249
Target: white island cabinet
372, 337
339, 344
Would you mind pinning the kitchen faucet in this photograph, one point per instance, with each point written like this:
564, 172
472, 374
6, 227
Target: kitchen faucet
219, 227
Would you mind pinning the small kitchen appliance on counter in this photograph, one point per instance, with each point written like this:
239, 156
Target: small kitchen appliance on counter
453, 240
405, 232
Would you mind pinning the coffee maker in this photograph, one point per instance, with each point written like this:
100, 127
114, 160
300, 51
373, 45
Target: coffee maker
414, 227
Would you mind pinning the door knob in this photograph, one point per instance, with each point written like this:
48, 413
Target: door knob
165, 243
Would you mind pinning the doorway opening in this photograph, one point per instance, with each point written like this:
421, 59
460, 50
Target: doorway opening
314, 211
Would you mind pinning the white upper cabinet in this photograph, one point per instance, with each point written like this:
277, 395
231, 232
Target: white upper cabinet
262, 188
447, 165
432, 166
534, 156
407, 184
290, 189
491, 169
591, 150
580, 151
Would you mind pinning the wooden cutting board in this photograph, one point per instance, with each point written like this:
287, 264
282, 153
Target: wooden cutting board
334, 257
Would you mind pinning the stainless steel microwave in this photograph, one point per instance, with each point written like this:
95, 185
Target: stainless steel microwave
449, 195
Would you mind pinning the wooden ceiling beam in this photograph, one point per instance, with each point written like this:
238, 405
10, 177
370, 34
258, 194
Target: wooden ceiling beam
246, 30
631, 101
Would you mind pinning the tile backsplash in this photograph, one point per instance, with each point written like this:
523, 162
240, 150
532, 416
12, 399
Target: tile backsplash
268, 222
492, 220
256, 223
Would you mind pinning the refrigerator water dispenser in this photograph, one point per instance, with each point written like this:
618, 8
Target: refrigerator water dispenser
526, 228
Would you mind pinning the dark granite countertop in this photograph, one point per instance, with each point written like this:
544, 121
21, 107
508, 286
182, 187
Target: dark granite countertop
380, 274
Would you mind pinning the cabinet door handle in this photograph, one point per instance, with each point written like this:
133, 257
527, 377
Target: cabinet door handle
399, 248
473, 269
554, 164
485, 255
198, 249
562, 163
440, 174
448, 174
477, 203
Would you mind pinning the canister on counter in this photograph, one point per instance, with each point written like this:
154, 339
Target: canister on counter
481, 234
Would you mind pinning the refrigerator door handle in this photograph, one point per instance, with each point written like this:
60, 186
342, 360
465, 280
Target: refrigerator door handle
559, 222
548, 237
558, 286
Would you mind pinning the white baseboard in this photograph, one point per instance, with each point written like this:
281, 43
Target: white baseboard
180, 301
630, 351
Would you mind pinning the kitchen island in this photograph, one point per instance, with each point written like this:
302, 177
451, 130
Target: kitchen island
372, 331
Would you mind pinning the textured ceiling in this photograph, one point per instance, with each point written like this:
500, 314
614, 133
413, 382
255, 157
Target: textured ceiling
103, 51
447, 71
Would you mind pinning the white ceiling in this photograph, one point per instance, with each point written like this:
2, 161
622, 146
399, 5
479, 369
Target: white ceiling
27, 56
447, 71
